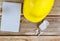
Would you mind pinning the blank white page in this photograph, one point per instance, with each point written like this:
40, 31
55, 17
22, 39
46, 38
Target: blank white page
10, 16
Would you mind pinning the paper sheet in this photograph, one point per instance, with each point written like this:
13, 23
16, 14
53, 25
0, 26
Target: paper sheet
10, 17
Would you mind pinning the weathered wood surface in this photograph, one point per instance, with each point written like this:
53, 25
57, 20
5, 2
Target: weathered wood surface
29, 38
54, 20
12, 1
28, 28
56, 8
54, 27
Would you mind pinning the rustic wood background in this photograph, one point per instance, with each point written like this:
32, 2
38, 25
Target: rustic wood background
52, 33
28, 28
29, 38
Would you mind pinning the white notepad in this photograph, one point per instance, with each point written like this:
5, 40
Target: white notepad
10, 16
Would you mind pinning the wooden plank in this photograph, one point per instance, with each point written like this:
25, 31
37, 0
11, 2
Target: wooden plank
26, 28
0, 6
54, 26
29, 38
13, 1
54, 11
56, 8
0, 0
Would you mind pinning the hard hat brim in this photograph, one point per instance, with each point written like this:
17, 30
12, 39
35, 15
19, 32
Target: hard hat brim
34, 19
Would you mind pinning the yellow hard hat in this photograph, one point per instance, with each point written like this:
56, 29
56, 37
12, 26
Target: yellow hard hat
37, 10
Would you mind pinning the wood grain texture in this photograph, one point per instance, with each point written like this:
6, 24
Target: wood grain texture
56, 8
54, 11
28, 28
54, 26
18, 1
29, 38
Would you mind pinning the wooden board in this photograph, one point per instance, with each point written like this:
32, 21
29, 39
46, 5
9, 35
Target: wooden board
28, 28
29, 38
56, 8
54, 26
11, 1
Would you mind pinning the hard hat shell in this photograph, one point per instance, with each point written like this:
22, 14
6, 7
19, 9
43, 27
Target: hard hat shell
37, 10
